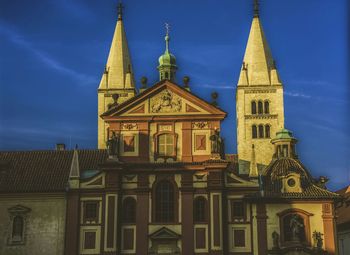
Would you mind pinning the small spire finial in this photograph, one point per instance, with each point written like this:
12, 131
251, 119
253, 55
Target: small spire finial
167, 37
256, 8
120, 10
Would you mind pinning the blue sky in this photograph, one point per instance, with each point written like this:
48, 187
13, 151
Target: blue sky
52, 55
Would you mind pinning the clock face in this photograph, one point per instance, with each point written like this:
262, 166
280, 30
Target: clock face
291, 182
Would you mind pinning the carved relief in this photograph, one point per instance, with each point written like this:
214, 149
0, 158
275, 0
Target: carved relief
200, 125
166, 102
129, 126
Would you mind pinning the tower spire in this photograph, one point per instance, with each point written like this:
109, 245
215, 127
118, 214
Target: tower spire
256, 8
118, 76
167, 62
120, 8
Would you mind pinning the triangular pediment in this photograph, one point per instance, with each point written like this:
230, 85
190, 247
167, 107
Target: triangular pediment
164, 99
164, 233
19, 209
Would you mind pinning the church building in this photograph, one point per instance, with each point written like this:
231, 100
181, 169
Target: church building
160, 181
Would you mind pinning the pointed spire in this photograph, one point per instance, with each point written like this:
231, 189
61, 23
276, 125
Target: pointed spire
258, 61
119, 61
256, 8
167, 62
253, 172
74, 173
120, 10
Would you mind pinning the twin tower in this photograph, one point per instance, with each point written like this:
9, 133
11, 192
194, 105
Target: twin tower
259, 93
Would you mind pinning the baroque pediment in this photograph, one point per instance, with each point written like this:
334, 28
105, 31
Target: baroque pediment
164, 98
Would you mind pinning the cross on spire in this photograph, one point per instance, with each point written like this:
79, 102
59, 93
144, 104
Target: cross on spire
256, 8
120, 10
167, 28
167, 37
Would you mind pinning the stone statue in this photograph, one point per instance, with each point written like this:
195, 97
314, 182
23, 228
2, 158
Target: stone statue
216, 142
296, 225
276, 240
318, 241
113, 145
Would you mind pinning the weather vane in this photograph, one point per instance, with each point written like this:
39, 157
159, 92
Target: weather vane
120, 9
167, 28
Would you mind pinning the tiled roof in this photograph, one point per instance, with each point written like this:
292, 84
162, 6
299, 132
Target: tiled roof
42, 171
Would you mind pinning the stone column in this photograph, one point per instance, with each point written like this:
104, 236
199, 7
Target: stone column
187, 213
72, 224
261, 219
329, 228
142, 211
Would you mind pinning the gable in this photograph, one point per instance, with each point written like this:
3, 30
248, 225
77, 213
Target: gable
165, 98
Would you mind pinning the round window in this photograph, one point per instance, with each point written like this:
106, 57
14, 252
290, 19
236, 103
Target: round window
291, 182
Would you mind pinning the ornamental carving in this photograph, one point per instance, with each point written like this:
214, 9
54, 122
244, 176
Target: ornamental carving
200, 125
129, 126
166, 102
256, 91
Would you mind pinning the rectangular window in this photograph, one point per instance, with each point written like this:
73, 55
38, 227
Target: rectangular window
166, 145
238, 238
201, 142
128, 239
91, 211
90, 240
237, 209
129, 143
200, 238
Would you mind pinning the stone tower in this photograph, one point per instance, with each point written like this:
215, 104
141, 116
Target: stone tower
167, 62
118, 77
259, 102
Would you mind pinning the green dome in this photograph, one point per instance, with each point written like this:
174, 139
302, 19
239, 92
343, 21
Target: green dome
284, 134
167, 59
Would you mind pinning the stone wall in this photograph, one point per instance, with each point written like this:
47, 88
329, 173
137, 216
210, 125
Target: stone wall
44, 226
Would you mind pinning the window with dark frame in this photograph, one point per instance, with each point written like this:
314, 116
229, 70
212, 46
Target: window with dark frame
239, 238
17, 228
267, 131
261, 131
129, 143
260, 107
267, 107
200, 209
129, 210
254, 132
90, 240
253, 106
91, 211
237, 209
165, 202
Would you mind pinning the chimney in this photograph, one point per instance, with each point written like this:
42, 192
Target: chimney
60, 147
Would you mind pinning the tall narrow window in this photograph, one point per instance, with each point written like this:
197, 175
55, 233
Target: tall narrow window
261, 131
200, 209
166, 145
165, 202
260, 107
17, 229
253, 107
129, 210
254, 132
267, 131
91, 211
267, 107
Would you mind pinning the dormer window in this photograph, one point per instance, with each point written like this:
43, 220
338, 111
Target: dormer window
291, 183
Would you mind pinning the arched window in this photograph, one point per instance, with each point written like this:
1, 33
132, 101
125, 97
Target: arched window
267, 131
261, 131
166, 145
200, 209
253, 107
17, 228
260, 107
267, 107
129, 210
166, 75
165, 202
254, 132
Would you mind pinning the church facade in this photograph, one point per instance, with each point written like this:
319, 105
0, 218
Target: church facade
160, 181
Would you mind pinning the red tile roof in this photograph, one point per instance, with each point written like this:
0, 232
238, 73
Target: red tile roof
42, 171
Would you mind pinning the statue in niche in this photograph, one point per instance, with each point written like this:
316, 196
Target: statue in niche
296, 225
275, 240
113, 145
318, 240
216, 142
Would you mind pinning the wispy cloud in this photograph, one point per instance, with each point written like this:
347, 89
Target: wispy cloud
213, 86
310, 82
296, 94
49, 61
